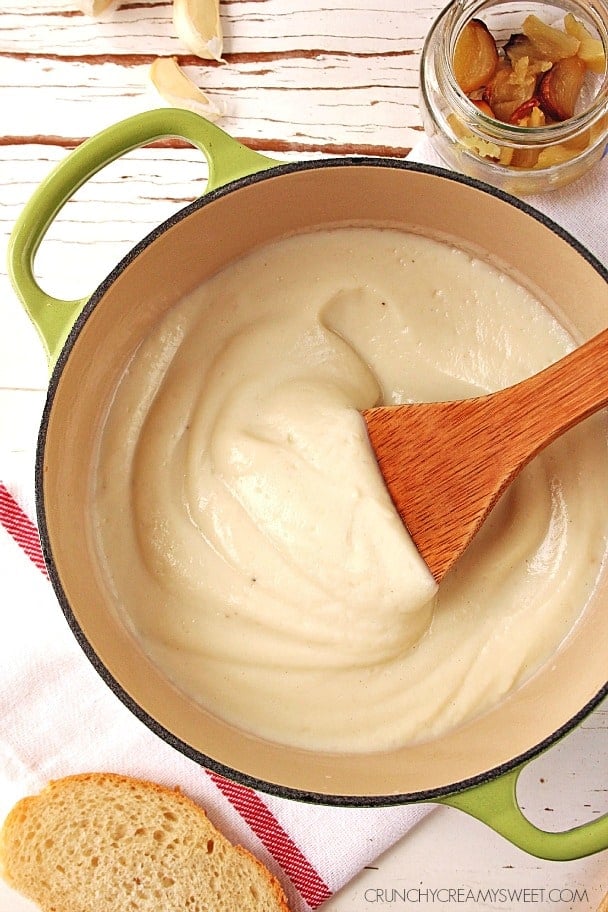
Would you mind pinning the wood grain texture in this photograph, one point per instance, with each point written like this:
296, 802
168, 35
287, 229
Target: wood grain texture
300, 80
446, 464
333, 105
334, 79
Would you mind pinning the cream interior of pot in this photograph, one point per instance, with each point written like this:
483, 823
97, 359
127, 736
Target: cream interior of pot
173, 264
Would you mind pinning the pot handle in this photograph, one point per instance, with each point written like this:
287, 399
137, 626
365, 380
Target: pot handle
227, 160
495, 804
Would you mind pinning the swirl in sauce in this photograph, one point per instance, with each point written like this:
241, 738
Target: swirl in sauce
245, 530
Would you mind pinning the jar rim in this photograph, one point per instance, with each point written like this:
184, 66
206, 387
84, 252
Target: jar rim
451, 22
518, 159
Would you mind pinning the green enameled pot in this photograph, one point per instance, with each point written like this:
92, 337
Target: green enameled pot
251, 200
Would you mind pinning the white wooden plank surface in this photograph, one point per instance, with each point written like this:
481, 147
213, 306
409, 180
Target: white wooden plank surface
331, 101
267, 26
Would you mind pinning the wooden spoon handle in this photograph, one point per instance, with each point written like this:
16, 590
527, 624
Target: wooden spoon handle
546, 405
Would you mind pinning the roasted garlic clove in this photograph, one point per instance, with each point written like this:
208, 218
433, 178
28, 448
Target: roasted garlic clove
198, 24
591, 49
508, 90
554, 155
591, 52
575, 27
553, 44
178, 90
475, 56
560, 87
518, 46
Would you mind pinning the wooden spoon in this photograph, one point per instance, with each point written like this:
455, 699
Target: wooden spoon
446, 463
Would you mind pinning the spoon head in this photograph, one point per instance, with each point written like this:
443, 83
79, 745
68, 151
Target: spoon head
443, 471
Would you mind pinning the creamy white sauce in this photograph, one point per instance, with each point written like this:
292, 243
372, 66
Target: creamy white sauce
245, 530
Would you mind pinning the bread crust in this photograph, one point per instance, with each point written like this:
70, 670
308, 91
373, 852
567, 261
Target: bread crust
44, 835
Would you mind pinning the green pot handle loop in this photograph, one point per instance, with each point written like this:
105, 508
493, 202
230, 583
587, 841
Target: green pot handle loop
227, 160
495, 804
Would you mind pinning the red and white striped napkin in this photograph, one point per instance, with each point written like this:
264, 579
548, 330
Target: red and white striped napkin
58, 717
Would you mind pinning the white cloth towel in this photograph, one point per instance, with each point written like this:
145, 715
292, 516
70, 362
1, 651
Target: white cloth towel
57, 717
581, 208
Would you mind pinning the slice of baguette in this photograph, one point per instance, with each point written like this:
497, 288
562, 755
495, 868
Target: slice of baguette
101, 842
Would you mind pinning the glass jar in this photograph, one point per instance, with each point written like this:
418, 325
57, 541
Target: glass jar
520, 159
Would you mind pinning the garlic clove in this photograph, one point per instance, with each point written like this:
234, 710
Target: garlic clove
197, 23
96, 7
475, 56
178, 90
